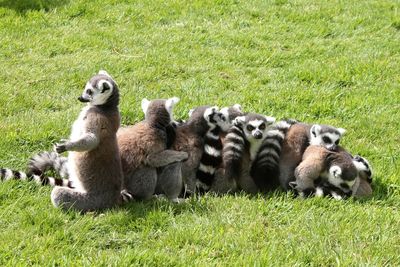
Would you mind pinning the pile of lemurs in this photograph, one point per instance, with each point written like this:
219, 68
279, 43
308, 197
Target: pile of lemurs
215, 150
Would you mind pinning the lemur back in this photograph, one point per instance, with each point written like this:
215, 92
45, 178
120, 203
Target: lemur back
143, 149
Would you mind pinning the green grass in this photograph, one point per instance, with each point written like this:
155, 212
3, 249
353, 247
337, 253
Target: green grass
332, 62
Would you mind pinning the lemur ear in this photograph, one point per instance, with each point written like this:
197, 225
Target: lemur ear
191, 112
341, 131
171, 102
104, 85
238, 121
269, 119
335, 171
145, 105
315, 130
103, 72
238, 107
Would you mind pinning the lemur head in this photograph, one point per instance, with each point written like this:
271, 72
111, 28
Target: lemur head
342, 172
228, 114
325, 135
363, 167
213, 117
254, 126
101, 90
159, 111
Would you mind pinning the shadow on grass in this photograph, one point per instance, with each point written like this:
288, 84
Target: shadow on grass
23, 6
140, 209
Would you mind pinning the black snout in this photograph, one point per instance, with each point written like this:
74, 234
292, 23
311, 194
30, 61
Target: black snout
258, 135
84, 100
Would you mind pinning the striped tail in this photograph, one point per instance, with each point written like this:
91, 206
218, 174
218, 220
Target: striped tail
210, 160
232, 153
44, 161
265, 168
7, 174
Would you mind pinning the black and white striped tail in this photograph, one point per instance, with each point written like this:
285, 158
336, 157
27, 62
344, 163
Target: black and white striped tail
45, 161
232, 152
265, 168
7, 174
210, 160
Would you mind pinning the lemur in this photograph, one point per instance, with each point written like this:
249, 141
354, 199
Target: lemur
332, 173
297, 138
143, 149
219, 123
241, 147
94, 165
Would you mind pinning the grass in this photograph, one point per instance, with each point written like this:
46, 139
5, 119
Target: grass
332, 62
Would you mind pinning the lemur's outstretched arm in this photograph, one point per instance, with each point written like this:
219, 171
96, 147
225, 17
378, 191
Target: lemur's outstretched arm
86, 142
166, 157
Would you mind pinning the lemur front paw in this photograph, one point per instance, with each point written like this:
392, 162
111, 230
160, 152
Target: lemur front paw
61, 147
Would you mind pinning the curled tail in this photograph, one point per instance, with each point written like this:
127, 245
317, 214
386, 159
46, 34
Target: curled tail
44, 161
8, 174
265, 168
210, 160
232, 152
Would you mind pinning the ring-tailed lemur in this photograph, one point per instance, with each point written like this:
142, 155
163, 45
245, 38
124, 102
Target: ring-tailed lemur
94, 165
211, 157
219, 123
265, 170
298, 137
143, 149
241, 147
333, 173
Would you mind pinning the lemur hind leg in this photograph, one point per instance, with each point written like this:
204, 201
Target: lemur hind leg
170, 181
141, 183
68, 198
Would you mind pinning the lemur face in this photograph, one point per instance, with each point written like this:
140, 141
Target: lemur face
254, 126
98, 89
327, 136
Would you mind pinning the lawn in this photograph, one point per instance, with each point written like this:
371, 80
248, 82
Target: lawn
331, 62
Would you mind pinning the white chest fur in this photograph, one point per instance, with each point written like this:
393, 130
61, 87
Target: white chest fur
79, 126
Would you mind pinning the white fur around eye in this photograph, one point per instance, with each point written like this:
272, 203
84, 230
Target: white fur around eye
145, 104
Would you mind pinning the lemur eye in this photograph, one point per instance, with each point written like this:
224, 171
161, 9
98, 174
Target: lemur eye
89, 92
337, 142
105, 87
262, 126
326, 140
250, 128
